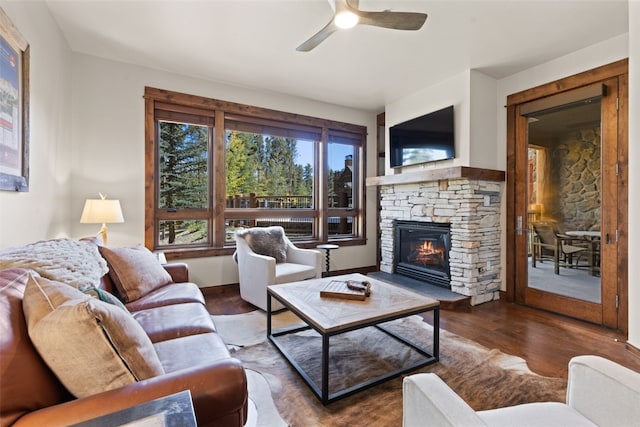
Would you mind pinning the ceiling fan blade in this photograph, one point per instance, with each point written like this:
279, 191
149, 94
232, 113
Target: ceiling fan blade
393, 20
318, 37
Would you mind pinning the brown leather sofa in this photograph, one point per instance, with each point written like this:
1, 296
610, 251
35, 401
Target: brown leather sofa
174, 316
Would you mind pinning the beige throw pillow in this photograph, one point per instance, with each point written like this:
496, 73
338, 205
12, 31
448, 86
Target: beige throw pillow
135, 271
267, 241
90, 345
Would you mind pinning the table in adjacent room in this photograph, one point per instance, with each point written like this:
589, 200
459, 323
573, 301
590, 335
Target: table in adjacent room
593, 238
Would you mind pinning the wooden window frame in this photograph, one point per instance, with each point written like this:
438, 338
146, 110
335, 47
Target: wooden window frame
173, 105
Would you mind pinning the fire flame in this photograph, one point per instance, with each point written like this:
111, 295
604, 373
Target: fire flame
428, 253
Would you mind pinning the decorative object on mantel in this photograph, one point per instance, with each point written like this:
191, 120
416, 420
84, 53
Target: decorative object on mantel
14, 93
102, 211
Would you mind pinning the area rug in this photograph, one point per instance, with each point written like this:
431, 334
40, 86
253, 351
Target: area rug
262, 410
484, 378
247, 329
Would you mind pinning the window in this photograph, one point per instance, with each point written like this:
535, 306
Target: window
214, 166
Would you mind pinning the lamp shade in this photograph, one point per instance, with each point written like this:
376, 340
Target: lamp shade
101, 211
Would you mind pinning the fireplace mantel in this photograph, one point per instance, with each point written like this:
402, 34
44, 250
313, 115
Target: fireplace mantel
436, 175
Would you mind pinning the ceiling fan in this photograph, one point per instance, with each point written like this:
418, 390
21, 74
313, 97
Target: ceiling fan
347, 15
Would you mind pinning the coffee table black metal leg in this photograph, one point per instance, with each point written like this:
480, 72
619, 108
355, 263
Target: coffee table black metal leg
325, 369
436, 333
268, 315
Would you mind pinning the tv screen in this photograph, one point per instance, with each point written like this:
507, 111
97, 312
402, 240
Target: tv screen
427, 138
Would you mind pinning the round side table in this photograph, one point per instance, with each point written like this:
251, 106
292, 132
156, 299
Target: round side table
327, 248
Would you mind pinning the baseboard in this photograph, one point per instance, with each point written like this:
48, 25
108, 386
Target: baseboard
635, 351
361, 270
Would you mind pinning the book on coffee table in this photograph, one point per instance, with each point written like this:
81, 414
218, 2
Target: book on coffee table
340, 289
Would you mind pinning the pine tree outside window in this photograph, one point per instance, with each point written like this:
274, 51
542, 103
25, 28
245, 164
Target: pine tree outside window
214, 166
183, 181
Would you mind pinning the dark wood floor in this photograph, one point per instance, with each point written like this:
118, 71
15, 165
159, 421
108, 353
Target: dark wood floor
545, 340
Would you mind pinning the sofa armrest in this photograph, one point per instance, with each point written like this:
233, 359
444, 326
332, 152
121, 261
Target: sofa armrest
604, 391
218, 391
427, 400
179, 272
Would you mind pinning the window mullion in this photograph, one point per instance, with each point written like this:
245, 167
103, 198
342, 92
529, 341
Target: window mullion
323, 187
218, 177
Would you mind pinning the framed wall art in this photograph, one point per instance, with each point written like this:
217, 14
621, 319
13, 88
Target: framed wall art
14, 107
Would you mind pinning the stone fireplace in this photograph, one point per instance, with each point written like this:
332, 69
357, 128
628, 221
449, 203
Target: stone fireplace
465, 200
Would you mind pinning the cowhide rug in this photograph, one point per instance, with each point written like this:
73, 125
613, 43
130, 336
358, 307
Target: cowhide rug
484, 378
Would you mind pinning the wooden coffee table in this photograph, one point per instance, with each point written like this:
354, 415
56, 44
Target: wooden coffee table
334, 316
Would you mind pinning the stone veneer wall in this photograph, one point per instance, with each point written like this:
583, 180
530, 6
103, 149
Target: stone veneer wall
575, 178
475, 228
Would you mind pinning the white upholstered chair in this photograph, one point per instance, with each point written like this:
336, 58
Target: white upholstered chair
265, 256
599, 393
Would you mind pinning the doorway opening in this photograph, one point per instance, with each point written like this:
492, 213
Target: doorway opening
564, 193
567, 190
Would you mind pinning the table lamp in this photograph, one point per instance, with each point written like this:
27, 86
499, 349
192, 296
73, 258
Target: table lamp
102, 211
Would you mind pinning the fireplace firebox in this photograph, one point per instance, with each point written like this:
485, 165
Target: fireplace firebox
421, 251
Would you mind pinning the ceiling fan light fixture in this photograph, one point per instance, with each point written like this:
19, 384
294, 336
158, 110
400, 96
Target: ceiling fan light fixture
347, 15
346, 19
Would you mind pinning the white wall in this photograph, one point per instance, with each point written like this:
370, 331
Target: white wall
43, 212
108, 150
483, 137
634, 173
453, 91
473, 96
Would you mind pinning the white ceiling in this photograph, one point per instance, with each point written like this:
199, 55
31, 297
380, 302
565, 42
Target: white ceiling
251, 43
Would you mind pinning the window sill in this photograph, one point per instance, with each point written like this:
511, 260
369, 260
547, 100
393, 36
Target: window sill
188, 253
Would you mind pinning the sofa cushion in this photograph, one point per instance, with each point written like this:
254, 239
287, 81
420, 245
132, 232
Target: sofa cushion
267, 241
90, 345
175, 293
27, 383
135, 271
192, 350
173, 321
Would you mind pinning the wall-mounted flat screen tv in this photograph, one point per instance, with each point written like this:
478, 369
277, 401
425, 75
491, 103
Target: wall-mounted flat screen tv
427, 138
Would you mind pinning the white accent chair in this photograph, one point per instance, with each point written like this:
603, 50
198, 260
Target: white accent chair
599, 393
265, 256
